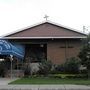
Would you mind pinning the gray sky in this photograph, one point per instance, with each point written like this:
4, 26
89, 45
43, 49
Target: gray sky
17, 14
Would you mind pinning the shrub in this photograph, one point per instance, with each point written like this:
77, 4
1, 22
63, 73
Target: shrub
45, 67
72, 65
2, 69
55, 76
70, 76
27, 71
83, 71
58, 69
77, 76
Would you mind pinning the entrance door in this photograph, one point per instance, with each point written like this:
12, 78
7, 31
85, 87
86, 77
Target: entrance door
36, 52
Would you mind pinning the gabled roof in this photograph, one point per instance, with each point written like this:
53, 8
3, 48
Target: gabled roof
46, 29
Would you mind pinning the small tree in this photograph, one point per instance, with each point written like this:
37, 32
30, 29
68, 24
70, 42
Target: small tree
84, 54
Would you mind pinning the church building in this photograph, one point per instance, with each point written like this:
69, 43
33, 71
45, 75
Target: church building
48, 40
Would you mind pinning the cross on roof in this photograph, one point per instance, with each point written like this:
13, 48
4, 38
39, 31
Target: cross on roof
46, 17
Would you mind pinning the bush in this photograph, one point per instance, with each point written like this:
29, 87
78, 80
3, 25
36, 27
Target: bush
45, 67
27, 71
58, 69
2, 69
77, 76
72, 65
68, 76
55, 76
83, 71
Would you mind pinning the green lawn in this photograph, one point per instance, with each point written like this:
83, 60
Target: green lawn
43, 80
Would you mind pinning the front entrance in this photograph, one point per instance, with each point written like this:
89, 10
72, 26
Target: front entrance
36, 52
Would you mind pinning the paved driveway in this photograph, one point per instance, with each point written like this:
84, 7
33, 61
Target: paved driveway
5, 81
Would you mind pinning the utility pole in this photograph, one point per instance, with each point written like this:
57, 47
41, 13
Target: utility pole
85, 28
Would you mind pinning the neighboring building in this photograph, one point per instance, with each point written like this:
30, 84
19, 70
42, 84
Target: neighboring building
48, 41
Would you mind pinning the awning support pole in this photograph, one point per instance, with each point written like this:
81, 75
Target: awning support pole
11, 59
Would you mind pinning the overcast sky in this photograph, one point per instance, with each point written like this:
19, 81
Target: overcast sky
17, 14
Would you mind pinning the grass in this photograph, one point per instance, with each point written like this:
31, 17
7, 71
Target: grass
48, 80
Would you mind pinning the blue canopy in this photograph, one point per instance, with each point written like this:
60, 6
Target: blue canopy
6, 48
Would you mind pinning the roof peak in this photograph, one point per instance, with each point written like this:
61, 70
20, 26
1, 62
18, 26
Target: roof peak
47, 21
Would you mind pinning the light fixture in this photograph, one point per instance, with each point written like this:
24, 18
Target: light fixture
41, 45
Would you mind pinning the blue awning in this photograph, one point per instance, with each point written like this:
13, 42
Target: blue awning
6, 48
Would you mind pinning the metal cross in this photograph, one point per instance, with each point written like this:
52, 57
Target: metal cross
46, 17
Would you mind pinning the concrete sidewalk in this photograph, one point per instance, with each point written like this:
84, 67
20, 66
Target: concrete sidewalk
44, 87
